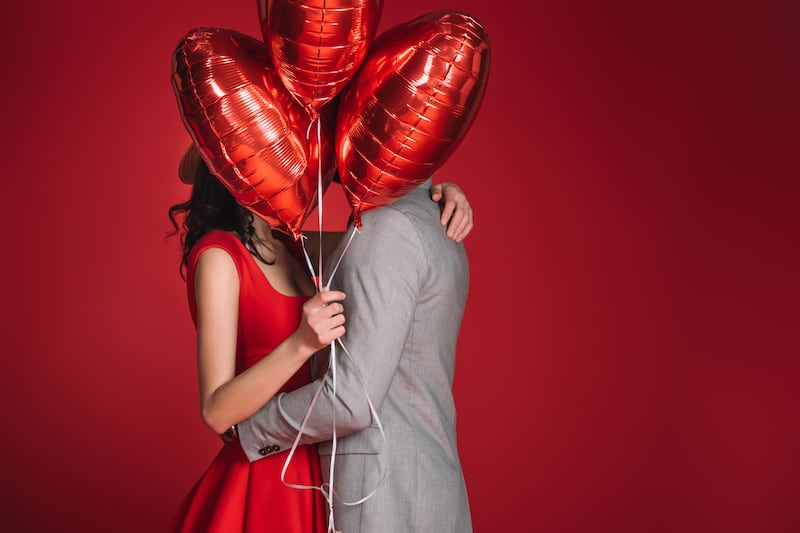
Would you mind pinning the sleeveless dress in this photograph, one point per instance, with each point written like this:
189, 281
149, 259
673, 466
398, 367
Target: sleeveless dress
235, 495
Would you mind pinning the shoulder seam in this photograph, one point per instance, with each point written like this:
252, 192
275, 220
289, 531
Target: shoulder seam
421, 241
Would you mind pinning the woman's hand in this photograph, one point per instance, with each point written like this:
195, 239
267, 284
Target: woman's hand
322, 322
456, 211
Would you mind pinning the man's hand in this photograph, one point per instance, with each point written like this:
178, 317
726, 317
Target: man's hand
456, 211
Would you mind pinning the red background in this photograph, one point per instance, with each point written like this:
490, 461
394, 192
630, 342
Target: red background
628, 360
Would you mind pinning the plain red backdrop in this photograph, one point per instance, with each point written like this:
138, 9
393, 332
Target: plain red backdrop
628, 360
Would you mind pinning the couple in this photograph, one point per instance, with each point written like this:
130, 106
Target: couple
402, 285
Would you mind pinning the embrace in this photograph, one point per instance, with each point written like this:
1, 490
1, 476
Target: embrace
402, 285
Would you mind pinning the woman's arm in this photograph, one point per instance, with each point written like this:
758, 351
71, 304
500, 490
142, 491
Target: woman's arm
227, 398
456, 211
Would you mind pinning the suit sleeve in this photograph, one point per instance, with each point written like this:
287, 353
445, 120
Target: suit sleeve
380, 273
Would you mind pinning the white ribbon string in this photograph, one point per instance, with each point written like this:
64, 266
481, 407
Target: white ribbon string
319, 199
332, 491
374, 412
339, 261
317, 279
327, 489
332, 365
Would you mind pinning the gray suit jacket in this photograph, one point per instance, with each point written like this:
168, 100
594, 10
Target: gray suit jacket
406, 286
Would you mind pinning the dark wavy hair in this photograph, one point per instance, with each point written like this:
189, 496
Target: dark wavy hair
211, 206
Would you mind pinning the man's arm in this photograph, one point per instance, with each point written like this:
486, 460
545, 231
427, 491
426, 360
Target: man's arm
380, 273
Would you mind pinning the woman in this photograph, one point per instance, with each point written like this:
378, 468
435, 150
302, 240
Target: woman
258, 322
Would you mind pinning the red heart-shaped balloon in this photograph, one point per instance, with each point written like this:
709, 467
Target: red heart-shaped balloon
317, 45
409, 106
249, 130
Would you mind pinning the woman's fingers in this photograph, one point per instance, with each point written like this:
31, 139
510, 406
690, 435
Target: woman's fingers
325, 297
329, 329
321, 300
323, 315
460, 226
448, 213
436, 192
456, 211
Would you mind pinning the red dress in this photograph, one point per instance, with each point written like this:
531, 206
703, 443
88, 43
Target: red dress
235, 495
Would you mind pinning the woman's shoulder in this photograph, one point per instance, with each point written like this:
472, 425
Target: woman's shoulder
225, 240
218, 237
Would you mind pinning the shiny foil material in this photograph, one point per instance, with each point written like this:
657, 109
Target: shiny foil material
250, 131
317, 45
409, 106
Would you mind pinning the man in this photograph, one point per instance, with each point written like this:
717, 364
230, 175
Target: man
406, 286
